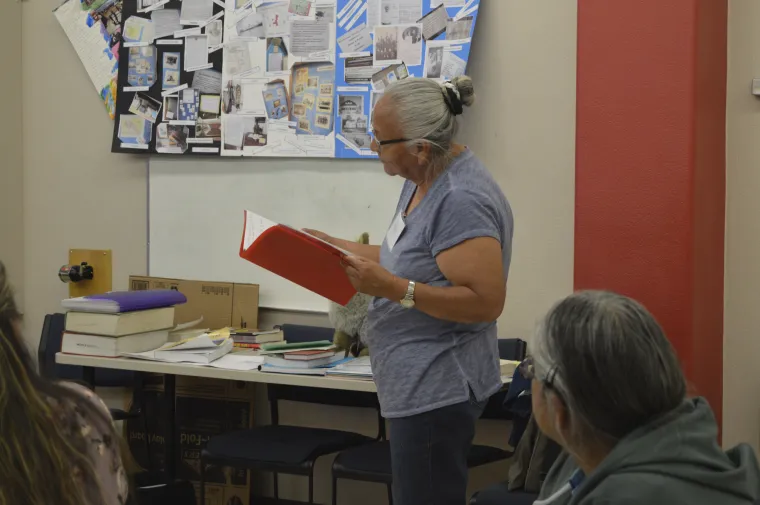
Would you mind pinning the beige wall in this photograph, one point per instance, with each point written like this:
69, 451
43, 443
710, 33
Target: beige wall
11, 167
523, 128
741, 403
77, 194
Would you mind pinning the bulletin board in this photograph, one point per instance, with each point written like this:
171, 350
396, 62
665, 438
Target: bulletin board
286, 78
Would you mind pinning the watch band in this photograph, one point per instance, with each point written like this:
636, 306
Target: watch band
410, 291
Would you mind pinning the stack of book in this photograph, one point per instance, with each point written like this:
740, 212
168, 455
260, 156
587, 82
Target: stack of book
302, 358
253, 339
117, 323
359, 368
202, 350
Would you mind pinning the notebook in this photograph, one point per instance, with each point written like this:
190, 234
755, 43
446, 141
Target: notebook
125, 301
120, 324
296, 256
317, 363
201, 350
281, 347
110, 347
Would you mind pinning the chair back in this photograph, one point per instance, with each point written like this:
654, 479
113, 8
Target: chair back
177, 493
513, 349
51, 340
323, 396
303, 333
50, 344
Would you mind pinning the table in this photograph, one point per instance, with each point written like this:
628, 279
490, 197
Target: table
171, 370
138, 365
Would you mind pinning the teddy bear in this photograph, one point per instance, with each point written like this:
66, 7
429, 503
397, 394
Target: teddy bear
350, 322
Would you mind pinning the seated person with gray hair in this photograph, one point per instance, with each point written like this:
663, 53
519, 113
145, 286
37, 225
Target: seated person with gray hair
608, 387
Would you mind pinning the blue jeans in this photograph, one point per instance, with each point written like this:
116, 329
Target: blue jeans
429, 454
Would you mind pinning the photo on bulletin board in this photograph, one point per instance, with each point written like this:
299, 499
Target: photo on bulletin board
383, 41
312, 109
171, 71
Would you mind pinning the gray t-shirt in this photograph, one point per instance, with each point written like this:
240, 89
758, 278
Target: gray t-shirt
421, 363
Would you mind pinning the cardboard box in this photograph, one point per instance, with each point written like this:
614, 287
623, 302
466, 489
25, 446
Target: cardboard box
221, 304
204, 408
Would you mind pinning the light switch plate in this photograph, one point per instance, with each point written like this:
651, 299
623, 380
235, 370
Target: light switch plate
756, 87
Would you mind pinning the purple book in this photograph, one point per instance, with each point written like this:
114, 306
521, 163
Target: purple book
125, 301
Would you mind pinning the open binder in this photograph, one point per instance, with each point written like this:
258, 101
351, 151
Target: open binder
296, 256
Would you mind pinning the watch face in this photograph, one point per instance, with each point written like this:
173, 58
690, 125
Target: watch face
407, 304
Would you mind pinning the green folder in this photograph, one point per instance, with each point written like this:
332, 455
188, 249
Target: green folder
279, 346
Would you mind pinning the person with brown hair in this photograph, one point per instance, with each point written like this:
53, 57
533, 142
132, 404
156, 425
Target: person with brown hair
57, 441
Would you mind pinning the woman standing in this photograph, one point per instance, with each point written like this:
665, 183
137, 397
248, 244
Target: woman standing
439, 282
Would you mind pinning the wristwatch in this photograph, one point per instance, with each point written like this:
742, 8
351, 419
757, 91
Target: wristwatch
408, 301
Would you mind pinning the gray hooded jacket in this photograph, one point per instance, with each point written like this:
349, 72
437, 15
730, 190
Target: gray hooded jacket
675, 460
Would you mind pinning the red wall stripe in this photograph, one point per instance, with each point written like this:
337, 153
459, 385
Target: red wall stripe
650, 167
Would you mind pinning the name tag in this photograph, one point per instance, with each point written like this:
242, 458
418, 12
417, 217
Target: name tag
395, 231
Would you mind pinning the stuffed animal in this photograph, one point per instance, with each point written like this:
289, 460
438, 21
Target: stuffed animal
350, 322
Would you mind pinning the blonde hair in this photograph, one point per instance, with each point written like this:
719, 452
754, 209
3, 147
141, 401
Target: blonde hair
41, 463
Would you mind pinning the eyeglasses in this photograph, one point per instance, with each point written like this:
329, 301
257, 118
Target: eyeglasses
388, 142
528, 370
381, 143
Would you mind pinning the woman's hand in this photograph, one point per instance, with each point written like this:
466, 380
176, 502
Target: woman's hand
370, 278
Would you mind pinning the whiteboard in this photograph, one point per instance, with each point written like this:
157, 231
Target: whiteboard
196, 214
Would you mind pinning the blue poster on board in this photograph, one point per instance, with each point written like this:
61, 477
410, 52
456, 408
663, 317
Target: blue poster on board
312, 96
381, 41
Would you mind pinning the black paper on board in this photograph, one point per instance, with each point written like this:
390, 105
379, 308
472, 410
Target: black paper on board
124, 98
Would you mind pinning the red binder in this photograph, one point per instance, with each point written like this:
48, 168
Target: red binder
296, 256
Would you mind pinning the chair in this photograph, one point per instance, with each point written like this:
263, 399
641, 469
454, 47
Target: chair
301, 333
513, 349
287, 449
372, 463
50, 344
499, 495
159, 493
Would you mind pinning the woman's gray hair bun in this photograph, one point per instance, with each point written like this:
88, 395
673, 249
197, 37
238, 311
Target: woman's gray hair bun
463, 85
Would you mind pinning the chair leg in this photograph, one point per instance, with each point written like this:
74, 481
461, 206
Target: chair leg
334, 490
203, 482
311, 486
276, 488
390, 494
